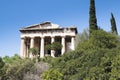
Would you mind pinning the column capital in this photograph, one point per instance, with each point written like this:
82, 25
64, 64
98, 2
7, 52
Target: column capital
42, 36
52, 36
32, 37
63, 36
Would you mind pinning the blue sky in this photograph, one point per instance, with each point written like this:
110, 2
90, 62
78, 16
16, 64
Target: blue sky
15, 14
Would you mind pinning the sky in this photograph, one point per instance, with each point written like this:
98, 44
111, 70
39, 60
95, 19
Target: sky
15, 14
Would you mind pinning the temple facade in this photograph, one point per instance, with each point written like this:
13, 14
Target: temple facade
39, 35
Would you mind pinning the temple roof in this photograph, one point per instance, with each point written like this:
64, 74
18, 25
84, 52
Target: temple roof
45, 26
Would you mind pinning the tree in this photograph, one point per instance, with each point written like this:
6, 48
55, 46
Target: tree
17, 70
22, 69
52, 75
34, 52
94, 59
81, 37
1, 63
54, 46
14, 60
103, 39
99, 39
1, 66
113, 25
115, 68
92, 17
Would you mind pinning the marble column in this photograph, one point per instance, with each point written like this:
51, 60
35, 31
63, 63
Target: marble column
32, 42
22, 49
42, 48
52, 51
73, 42
63, 45
31, 46
27, 51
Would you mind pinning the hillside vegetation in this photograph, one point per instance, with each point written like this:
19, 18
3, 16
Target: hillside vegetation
95, 58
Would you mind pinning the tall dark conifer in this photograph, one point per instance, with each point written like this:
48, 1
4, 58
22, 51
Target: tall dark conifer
92, 17
113, 25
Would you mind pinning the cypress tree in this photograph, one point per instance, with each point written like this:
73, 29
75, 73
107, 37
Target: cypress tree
92, 17
113, 25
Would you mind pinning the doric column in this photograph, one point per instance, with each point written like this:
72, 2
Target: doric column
42, 48
27, 51
22, 51
52, 51
31, 45
73, 42
63, 45
32, 42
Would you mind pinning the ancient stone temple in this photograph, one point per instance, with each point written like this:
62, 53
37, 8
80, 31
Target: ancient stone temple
45, 33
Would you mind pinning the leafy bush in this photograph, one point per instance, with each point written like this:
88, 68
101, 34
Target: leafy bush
92, 60
52, 75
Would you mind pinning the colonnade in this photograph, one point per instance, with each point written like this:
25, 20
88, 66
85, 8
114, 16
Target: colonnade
24, 51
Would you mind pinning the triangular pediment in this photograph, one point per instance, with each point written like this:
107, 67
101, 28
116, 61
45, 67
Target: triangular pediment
45, 25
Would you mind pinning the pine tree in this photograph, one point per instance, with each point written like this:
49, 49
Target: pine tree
92, 17
113, 25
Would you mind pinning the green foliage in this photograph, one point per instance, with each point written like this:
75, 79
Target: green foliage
115, 71
90, 64
94, 59
113, 25
103, 39
48, 46
8, 62
99, 39
57, 46
52, 75
54, 46
1, 66
92, 17
81, 37
16, 68
33, 51
1, 63
46, 59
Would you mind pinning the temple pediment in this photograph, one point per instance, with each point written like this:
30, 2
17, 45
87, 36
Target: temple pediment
45, 25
